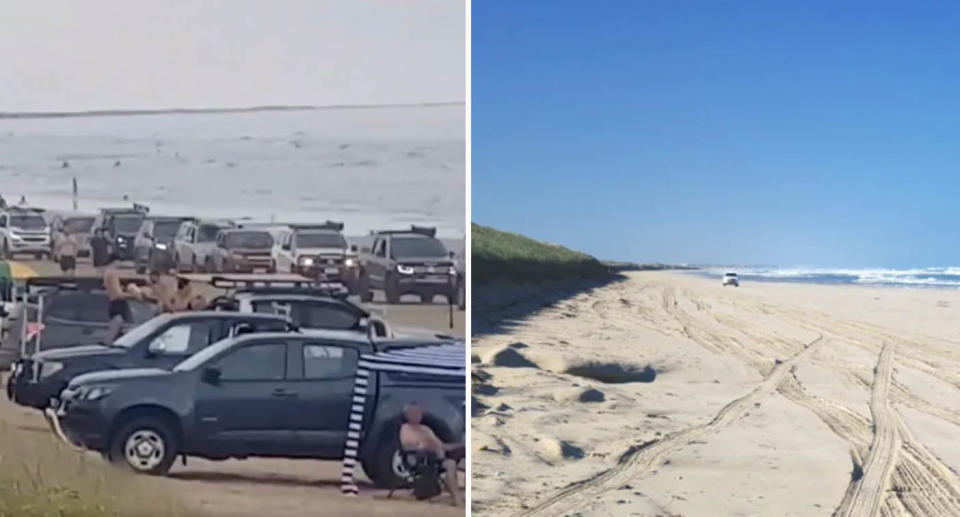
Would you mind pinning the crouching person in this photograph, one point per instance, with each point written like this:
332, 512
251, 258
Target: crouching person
415, 436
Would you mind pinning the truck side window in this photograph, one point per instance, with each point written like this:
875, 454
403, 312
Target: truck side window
3, 221
380, 248
188, 338
328, 362
266, 362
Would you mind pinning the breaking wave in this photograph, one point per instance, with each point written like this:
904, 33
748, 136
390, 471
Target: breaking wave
916, 277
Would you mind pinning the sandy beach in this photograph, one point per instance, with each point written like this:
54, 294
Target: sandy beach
667, 394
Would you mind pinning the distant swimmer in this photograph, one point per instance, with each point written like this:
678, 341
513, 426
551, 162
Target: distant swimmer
23, 200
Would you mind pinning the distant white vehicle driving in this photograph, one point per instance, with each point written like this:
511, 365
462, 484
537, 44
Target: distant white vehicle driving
731, 279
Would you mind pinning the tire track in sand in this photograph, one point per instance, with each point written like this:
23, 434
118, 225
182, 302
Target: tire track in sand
639, 459
871, 490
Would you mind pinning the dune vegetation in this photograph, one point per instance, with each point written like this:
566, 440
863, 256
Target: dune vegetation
40, 476
498, 255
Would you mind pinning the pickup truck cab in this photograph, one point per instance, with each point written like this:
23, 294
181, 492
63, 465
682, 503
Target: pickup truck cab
195, 241
120, 226
268, 395
24, 231
153, 244
317, 251
410, 261
161, 343
238, 250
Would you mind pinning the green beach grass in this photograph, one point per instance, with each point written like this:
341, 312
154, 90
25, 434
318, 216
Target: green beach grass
40, 477
498, 255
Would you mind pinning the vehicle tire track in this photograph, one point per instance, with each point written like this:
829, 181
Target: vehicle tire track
639, 459
870, 491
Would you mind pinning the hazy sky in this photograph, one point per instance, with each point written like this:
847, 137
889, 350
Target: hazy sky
794, 133
113, 54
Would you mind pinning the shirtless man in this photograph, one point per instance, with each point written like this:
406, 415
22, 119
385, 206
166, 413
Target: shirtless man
416, 436
118, 308
66, 251
184, 299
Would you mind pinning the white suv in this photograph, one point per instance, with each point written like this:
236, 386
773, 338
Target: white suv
731, 279
24, 231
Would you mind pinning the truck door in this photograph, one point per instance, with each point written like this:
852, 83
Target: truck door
377, 267
252, 409
327, 375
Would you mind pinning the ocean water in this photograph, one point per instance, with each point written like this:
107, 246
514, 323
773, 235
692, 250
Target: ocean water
937, 277
371, 168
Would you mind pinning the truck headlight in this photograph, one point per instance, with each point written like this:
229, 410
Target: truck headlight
161, 246
92, 393
452, 271
306, 261
49, 368
350, 262
15, 236
404, 269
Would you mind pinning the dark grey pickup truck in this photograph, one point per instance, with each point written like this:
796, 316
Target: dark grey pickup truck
267, 394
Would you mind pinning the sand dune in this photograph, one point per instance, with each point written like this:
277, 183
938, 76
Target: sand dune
667, 394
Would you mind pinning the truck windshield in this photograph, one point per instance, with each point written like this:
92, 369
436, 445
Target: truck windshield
401, 247
28, 222
140, 332
126, 223
255, 240
165, 230
321, 240
78, 225
207, 233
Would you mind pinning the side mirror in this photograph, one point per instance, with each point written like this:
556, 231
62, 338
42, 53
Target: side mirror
211, 376
353, 248
452, 254
156, 347
286, 247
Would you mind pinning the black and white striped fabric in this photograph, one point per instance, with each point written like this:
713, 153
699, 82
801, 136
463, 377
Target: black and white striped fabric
448, 360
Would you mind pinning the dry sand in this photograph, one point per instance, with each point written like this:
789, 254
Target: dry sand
667, 394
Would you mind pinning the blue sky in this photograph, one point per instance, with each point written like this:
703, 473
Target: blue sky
793, 133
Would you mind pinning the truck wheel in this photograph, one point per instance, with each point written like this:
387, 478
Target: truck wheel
461, 295
5, 253
391, 289
193, 265
386, 468
208, 266
363, 288
145, 445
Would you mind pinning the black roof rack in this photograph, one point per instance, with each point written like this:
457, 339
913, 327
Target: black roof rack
78, 283
428, 231
248, 281
329, 225
18, 208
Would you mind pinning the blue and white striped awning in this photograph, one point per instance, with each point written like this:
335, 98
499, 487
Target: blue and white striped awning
448, 360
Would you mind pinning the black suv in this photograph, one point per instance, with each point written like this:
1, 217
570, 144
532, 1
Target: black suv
162, 342
410, 261
268, 395
120, 226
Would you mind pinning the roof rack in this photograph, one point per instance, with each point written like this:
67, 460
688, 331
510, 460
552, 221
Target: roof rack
429, 231
20, 208
247, 281
329, 225
79, 283
136, 207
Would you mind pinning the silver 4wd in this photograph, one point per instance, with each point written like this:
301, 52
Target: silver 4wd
24, 231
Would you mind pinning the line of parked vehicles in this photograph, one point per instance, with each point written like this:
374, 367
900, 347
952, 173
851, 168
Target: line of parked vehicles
404, 262
267, 371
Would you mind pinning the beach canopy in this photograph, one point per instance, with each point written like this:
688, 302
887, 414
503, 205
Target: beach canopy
446, 360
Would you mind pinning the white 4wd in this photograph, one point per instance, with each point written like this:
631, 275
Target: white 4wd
24, 231
731, 279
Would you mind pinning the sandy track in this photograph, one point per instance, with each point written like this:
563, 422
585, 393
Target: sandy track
869, 494
726, 358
